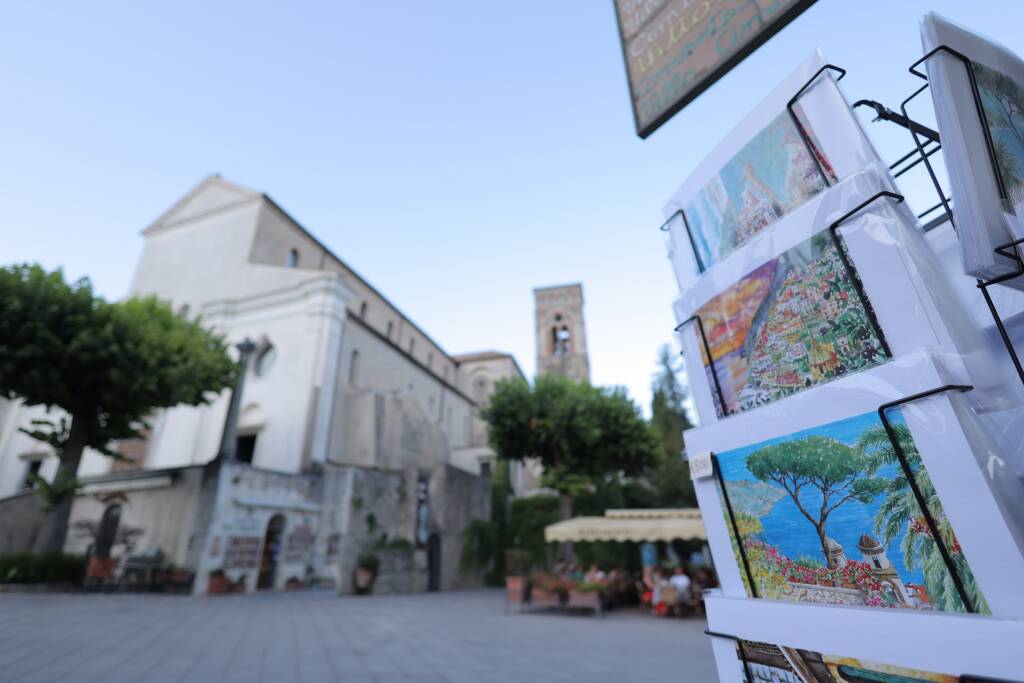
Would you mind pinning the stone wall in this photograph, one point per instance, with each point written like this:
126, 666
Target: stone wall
247, 499
160, 505
20, 518
457, 499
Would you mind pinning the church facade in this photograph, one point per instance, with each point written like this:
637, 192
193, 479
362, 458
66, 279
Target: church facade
357, 432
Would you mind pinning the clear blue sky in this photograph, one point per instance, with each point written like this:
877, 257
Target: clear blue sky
457, 154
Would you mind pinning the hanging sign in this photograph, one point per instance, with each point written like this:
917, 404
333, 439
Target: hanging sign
677, 49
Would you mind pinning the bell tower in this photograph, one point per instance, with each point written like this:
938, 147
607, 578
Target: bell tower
560, 334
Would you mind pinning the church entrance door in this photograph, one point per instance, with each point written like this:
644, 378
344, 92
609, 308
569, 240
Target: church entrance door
271, 552
434, 563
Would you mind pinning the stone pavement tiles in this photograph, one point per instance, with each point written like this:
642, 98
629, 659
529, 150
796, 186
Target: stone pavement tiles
452, 637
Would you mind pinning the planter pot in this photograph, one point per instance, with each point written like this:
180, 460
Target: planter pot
100, 568
542, 598
218, 585
585, 600
515, 590
362, 581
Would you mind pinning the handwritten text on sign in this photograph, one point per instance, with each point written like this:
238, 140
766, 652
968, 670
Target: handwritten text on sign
701, 465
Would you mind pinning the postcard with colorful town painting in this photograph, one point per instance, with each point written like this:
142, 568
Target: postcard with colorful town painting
769, 177
770, 663
826, 515
793, 322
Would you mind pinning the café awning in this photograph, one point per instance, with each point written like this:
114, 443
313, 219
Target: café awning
630, 525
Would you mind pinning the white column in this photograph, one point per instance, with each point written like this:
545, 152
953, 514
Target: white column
329, 307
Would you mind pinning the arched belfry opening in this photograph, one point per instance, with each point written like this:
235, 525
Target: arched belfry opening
561, 338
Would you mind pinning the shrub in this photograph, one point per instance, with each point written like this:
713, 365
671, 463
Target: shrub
48, 567
402, 544
479, 545
589, 587
369, 562
526, 521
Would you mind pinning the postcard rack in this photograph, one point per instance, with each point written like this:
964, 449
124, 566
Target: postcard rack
922, 153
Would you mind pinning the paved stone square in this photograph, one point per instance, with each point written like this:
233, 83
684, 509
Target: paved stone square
443, 637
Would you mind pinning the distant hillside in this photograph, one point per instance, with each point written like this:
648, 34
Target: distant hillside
754, 497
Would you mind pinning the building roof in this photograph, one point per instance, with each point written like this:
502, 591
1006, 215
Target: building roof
487, 355
868, 543
247, 195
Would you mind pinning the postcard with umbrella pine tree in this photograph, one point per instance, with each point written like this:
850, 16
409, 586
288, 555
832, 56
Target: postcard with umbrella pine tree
793, 322
826, 515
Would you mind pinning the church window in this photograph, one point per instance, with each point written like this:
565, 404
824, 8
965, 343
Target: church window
245, 448
353, 369
391, 328
31, 472
293, 258
878, 565
267, 354
183, 311
485, 469
362, 310
430, 360
412, 345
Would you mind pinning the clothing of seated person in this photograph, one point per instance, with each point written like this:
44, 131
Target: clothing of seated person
594, 575
681, 582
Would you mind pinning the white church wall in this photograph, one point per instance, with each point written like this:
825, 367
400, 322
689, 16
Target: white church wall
194, 262
381, 368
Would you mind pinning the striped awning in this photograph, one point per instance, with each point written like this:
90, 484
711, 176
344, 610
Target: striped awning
630, 525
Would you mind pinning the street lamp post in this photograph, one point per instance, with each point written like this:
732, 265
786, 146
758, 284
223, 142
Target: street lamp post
229, 438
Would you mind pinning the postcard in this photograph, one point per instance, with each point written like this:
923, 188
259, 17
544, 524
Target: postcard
781, 664
828, 515
793, 322
768, 166
988, 193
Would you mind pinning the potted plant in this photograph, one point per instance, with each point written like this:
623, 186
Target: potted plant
365, 573
547, 591
294, 583
218, 582
587, 595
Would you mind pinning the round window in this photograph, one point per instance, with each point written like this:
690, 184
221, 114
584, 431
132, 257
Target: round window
265, 361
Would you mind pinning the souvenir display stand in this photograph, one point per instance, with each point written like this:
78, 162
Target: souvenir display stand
856, 379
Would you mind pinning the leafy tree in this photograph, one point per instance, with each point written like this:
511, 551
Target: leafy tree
900, 510
105, 365
837, 472
670, 477
578, 432
527, 518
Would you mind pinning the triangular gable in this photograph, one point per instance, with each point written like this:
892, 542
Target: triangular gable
212, 194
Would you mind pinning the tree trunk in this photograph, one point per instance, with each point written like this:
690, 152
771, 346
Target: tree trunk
824, 544
54, 529
565, 551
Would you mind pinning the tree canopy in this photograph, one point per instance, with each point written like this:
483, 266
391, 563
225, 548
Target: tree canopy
106, 365
574, 429
837, 472
671, 477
